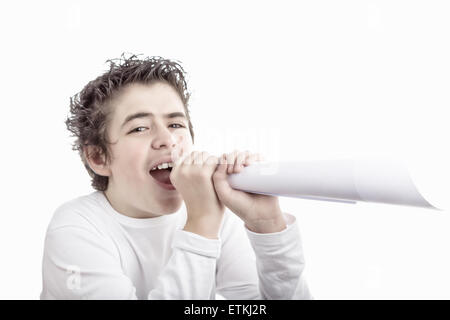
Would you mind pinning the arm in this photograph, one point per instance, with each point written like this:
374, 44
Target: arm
280, 262
190, 271
79, 263
275, 241
262, 266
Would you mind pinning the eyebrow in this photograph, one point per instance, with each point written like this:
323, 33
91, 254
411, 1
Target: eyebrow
149, 115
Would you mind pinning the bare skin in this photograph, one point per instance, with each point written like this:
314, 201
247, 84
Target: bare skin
199, 178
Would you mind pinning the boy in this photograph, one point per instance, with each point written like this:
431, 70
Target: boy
162, 223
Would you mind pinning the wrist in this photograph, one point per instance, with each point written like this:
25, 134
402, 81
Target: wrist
271, 225
204, 225
201, 230
205, 207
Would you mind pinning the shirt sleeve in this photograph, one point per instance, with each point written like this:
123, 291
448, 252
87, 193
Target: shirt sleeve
262, 266
80, 263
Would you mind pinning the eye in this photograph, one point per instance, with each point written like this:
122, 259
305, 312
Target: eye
137, 129
177, 124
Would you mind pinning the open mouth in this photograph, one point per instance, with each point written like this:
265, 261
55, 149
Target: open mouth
162, 177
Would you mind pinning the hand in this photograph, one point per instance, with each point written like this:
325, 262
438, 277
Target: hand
261, 213
191, 175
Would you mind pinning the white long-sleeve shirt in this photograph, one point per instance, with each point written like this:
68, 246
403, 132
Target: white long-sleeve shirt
94, 252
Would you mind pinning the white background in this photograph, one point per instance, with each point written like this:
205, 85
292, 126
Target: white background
325, 78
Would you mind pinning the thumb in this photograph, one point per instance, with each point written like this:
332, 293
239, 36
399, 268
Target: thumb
221, 184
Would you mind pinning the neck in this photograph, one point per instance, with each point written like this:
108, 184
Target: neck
121, 203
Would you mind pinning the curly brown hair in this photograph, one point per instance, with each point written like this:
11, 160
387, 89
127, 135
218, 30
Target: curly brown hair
90, 108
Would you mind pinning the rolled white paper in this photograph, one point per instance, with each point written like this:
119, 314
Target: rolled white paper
346, 180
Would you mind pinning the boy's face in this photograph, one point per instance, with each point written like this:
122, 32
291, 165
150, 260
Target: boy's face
140, 143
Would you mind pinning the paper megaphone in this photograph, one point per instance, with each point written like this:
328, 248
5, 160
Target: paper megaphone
347, 180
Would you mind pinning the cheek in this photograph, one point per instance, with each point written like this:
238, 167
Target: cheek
130, 158
185, 142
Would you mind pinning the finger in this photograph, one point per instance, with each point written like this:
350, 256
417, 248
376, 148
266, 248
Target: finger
198, 158
221, 185
212, 160
204, 158
178, 156
254, 157
231, 158
240, 160
221, 169
190, 159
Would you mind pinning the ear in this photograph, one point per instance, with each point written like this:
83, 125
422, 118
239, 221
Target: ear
96, 160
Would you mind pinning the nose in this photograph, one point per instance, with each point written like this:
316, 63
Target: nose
163, 138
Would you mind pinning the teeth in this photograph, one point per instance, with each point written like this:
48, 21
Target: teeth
164, 165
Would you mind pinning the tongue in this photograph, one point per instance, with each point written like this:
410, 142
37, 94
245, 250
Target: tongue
161, 175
